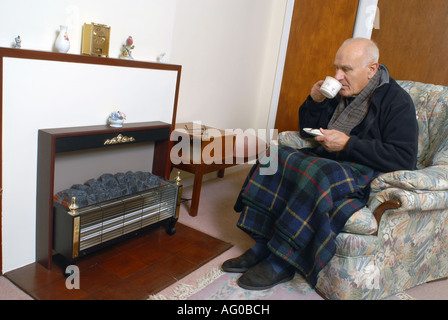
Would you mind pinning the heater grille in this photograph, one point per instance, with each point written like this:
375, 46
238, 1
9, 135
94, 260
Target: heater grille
119, 217
106, 221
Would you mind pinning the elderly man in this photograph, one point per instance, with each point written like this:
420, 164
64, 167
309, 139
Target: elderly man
294, 215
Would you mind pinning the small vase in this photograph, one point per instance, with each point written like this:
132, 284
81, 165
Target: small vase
116, 123
62, 43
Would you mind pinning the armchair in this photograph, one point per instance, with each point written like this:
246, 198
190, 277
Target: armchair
400, 239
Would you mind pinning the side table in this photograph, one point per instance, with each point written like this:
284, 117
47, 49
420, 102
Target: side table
199, 136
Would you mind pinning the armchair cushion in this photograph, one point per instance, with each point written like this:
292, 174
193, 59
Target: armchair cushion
431, 103
294, 140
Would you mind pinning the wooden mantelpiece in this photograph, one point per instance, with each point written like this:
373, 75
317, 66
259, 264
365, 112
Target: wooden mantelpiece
76, 58
53, 141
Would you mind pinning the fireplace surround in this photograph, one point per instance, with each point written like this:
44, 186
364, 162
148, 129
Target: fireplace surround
34, 97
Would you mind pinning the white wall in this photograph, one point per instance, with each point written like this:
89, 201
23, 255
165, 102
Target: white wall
228, 50
149, 22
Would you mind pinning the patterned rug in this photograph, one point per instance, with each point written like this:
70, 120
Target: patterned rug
226, 288
218, 285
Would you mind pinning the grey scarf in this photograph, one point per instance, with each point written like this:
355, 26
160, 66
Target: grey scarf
345, 118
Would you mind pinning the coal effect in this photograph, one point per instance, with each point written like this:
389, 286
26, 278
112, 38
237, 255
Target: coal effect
107, 187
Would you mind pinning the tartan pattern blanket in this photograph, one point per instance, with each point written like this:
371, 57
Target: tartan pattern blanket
303, 206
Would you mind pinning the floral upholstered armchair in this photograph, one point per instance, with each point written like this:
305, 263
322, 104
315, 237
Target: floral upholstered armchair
400, 239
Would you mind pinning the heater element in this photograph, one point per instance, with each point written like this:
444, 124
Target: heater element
85, 229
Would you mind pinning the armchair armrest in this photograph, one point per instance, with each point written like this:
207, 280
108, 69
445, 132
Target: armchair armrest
420, 190
407, 201
434, 178
379, 211
294, 140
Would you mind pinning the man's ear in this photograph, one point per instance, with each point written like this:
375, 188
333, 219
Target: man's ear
373, 68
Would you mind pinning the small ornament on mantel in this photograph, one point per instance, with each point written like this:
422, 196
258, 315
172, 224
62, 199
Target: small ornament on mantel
161, 57
17, 42
116, 119
126, 52
62, 43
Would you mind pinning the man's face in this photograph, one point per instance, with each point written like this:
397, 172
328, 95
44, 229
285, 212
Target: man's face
350, 70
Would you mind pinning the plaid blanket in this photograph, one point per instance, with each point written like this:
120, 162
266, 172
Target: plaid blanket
303, 206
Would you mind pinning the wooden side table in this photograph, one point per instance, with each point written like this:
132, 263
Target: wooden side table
202, 159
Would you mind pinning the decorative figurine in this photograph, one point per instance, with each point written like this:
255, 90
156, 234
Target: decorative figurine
126, 52
116, 119
161, 57
18, 42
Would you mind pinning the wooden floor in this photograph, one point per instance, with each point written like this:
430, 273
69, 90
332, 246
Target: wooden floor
130, 270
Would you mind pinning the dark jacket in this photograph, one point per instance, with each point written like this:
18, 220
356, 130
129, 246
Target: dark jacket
386, 140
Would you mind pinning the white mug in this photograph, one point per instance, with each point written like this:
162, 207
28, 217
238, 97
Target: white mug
330, 87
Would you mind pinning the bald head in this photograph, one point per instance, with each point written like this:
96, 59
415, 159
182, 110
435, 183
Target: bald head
366, 48
356, 62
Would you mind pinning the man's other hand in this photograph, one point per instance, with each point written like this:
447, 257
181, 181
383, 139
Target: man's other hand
332, 140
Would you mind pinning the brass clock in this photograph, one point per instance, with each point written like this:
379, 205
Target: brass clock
95, 40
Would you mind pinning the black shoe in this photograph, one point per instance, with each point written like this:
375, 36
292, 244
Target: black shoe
242, 263
262, 277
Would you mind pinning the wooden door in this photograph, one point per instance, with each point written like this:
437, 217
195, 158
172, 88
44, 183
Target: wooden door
318, 28
413, 39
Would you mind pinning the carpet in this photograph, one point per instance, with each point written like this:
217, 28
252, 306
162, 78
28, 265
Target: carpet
218, 285
9, 291
226, 288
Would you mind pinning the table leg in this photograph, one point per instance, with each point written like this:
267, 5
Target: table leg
198, 173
